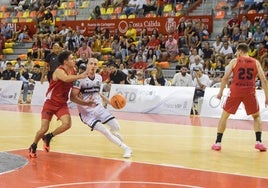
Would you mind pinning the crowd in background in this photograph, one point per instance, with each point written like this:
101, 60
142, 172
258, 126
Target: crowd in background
139, 58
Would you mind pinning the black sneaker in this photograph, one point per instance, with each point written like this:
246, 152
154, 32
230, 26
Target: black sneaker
32, 151
46, 139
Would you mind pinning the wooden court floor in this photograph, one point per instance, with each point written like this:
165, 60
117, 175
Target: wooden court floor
168, 152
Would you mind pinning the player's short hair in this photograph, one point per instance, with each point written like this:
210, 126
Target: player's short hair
243, 47
64, 56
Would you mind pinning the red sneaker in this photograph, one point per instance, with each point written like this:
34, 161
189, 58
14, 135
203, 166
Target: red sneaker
32, 151
46, 139
260, 146
216, 147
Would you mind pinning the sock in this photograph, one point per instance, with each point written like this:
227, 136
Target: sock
258, 136
124, 146
219, 137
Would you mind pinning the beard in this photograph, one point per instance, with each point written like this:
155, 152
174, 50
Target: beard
183, 73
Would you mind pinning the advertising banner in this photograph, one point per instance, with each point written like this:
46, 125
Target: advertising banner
212, 107
155, 99
10, 95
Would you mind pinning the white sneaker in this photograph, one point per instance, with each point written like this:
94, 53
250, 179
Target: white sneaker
127, 153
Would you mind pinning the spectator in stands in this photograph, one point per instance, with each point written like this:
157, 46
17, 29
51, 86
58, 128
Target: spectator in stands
131, 78
105, 73
181, 34
196, 65
82, 60
156, 77
258, 36
207, 52
16, 32
252, 51
131, 7
264, 23
217, 45
122, 67
23, 76
201, 81
183, 60
116, 76
190, 31
6, 30
182, 78
37, 48
8, 73
245, 22
28, 65
139, 63
2, 43
36, 74
131, 33
48, 18
96, 14
235, 37
17, 64
226, 33
51, 62
3, 63
154, 44
207, 67
233, 22
171, 47
150, 6
124, 45
160, 7
25, 35
245, 36
151, 58
193, 55
63, 32
262, 55
218, 71
115, 46
72, 41
107, 3
84, 49
226, 51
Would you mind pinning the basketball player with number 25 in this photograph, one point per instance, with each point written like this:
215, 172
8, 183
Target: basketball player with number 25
244, 71
96, 116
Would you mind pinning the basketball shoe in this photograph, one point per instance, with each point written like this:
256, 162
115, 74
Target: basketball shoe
260, 146
46, 139
127, 153
216, 146
32, 151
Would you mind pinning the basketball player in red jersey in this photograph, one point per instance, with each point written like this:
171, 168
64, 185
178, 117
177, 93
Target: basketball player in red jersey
56, 101
244, 71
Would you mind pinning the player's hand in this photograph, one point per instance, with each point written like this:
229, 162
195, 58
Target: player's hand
219, 96
84, 74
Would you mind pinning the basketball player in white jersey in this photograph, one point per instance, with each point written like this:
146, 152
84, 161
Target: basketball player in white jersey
95, 116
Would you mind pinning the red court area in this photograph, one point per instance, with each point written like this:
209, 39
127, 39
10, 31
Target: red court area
68, 170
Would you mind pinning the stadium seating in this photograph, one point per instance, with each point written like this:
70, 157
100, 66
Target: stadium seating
220, 14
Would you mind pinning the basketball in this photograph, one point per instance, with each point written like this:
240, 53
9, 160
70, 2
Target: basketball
118, 101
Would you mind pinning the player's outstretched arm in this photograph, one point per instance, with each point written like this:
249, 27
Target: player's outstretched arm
60, 74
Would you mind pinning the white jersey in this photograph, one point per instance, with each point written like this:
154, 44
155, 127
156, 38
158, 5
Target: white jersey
89, 89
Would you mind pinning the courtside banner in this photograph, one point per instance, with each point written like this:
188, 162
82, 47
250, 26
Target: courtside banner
10, 91
155, 99
212, 107
39, 93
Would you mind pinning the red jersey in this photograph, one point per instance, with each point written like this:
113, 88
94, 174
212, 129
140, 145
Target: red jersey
244, 77
58, 91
